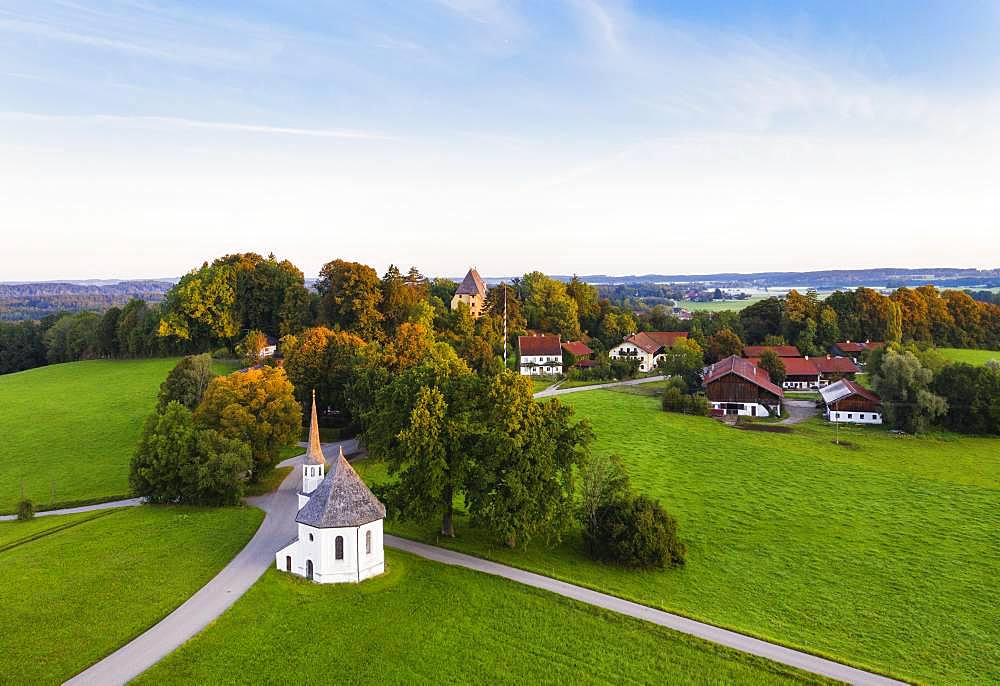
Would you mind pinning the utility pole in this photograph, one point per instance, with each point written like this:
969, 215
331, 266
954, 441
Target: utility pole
504, 324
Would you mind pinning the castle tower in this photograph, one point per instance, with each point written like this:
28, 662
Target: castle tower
314, 468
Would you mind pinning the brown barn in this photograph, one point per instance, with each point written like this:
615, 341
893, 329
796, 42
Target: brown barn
847, 401
737, 387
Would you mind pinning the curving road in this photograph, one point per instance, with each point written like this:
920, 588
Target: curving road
550, 391
279, 527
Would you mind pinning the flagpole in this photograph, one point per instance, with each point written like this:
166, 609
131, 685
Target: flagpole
504, 325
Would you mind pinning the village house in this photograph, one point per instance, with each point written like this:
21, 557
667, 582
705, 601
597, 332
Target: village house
753, 351
856, 350
834, 368
800, 373
735, 386
472, 292
269, 350
339, 522
847, 401
540, 354
646, 346
581, 353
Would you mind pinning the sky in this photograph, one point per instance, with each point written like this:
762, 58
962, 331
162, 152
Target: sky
141, 138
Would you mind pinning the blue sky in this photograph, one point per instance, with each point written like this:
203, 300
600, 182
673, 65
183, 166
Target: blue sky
139, 138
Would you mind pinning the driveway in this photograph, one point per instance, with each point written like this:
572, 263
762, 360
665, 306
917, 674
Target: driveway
799, 411
549, 392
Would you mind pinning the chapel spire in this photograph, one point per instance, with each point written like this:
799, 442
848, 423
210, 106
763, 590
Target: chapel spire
314, 455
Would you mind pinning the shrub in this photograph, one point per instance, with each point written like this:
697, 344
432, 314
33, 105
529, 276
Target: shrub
25, 510
221, 354
673, 399
186, 382
634, 532
603, 480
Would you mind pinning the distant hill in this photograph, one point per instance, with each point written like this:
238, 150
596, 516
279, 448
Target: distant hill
35, 300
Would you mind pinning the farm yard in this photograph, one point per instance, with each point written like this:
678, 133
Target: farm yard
76, 587
873, 552
404, 627
69, 429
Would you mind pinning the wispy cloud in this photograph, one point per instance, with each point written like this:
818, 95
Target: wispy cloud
184, 123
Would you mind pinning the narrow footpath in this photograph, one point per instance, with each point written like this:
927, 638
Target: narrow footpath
555, 390
278, 528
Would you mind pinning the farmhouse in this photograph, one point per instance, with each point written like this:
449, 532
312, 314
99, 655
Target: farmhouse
581, 353
800, 372
472, 292
540, 354
846, 401
834, 368
646, 346
736, 387
339, 522
856, 350
753, 351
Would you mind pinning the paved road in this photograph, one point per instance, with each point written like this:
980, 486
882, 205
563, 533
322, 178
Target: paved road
130, 502
212, 599
549, 392
731, 639
799, 411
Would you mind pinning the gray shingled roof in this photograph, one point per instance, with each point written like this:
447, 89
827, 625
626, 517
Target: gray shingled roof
472, 284
342, 499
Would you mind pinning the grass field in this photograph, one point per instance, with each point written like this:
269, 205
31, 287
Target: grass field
719, 305
969, 356
69, 429
541, 384
78, 593
427, 623
883, 552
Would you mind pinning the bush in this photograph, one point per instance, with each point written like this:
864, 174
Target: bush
222, 354
25, 510
634, 532
675, 399
187, 381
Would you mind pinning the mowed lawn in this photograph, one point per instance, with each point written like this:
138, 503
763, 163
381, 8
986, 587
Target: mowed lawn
96, 581
884, 553
969, 355
69, 429
427, 623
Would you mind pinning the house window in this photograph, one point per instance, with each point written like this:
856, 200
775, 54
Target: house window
368, 542
861, 416
850, 416
310, 537
339, 548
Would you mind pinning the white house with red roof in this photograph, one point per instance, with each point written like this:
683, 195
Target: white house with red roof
540, 354
646, 346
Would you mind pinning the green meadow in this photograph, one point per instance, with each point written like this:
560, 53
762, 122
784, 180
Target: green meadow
77, 587
427, 623
881, 552
69, 429
969, 355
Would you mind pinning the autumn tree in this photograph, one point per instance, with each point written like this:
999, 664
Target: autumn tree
351, 295
587, 306
684, 359
323, 360
548, 306
722, 344
251, 346
258, 407
201, 307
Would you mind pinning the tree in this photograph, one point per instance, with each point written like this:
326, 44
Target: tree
257, 406
21, 346
902, 383
761, 319
722, 344
603, 480
973, 397
351, 294
323, 360
522, 484
548, 306
772, 364
399, 297
684, 359
107, 332
201, 307
251, 346
187, 382
634, 532
586, 298
827, 328
176, 462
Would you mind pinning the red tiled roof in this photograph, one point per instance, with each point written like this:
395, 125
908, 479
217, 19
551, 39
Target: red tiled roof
472, 284
794, 366
651, 341
835, 365
582, 364
779, 350
744, 369
859, 346
577, 348
539, 345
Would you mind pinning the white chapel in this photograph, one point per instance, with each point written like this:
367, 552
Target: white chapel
339, 521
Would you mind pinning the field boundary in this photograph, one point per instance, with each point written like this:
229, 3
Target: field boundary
54, 530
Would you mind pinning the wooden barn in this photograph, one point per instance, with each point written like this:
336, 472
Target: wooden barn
737, 387
847, 401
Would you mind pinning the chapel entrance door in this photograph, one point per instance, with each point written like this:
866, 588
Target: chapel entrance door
309, 569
